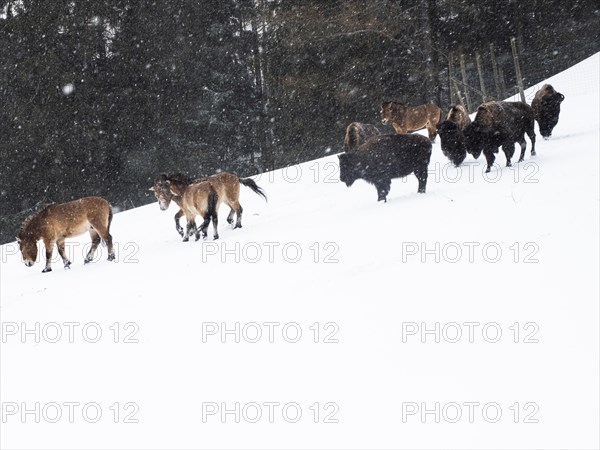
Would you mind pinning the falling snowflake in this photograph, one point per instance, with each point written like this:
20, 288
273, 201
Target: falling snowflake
68, 89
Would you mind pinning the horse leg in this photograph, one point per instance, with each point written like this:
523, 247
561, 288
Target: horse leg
189, 229
431, 129
48, 245
230, 216
203, 227
109, 245
399, 129
95, 242
194, 229
107, 238
235, 206
177, 225
61, 251
215, 221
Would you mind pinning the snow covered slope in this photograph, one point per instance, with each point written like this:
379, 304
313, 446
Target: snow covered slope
330, 295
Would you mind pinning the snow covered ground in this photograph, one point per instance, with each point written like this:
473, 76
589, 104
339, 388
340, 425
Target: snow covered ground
463, 318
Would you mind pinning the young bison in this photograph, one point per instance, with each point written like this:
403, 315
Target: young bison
500, 124
357, 133
384, 157
546, 109
451, 134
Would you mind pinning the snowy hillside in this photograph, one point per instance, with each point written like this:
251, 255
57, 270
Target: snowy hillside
504, 266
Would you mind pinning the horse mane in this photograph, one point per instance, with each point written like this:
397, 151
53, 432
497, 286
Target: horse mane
30, 218
179, 178
394, 102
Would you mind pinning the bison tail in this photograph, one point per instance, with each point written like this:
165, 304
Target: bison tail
249, 182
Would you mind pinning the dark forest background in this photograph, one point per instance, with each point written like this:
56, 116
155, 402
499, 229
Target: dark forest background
99, 97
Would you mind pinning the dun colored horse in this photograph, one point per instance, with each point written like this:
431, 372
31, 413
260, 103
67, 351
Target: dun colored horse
197, 199
54, 223
227, 186
411, 118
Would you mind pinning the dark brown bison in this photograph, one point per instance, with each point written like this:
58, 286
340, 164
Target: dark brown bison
357, 133
384, 157
411, 118
546, 109
451, 134
500, 124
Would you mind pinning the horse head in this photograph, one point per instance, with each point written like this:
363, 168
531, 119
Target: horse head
29, 249
162, 192
392, 112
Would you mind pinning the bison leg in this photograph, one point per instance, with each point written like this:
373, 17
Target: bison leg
421, 175
383, 189
509, 150
490, 158
531, 135
61, 251
523, 145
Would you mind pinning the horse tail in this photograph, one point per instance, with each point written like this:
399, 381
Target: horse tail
110, 216
213, 199
249, 182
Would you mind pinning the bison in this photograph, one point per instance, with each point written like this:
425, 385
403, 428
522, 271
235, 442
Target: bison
357, 133
384, 157
500, 124
546, 109
451, 134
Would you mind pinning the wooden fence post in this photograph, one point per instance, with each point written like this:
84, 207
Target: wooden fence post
451, 76
513, 44
481, 81
458, 94
463, 71
499, 92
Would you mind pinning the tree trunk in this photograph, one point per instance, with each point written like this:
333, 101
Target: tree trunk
432, 19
